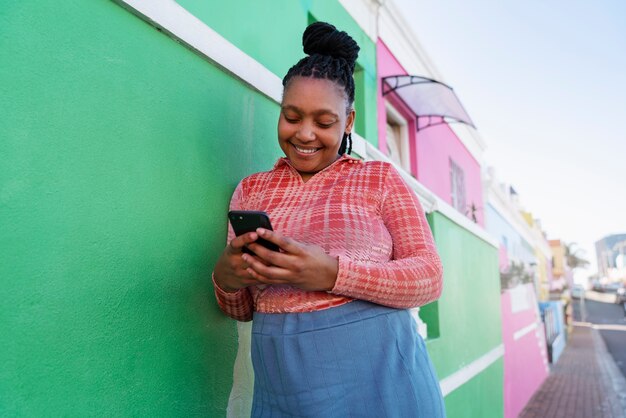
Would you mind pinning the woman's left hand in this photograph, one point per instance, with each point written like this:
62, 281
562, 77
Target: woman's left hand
304, 266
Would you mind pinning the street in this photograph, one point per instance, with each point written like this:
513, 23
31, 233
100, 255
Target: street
608, 318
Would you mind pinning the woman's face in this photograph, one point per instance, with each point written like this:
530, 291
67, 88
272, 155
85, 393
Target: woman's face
312, 122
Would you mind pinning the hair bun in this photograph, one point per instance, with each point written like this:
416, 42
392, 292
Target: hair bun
324, 39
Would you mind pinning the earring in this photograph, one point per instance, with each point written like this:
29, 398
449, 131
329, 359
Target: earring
349, 143
344, 144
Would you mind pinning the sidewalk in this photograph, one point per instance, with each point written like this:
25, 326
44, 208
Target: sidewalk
585, 382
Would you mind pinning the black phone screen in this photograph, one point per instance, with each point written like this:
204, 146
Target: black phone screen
244, 221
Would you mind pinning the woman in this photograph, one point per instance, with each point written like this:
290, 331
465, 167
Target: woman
332, 336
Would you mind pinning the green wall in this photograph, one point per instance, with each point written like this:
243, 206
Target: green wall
120, 149
273, 37
468, 315
481, 397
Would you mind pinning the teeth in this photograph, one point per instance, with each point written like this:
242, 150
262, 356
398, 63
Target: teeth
306, 151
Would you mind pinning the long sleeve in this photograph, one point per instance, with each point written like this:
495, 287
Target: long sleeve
238, 305
414, 276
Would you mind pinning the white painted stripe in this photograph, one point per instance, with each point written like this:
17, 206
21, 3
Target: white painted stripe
174, 19
463, 375
178, 23
387, 21
521, 332
370, 152
506, 208
610, 327
428, 199
464, 222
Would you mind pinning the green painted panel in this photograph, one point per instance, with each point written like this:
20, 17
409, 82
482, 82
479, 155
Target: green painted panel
480, 397
120, 149
271, 33
469, 308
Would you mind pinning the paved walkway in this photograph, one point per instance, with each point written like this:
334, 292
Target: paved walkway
584, 383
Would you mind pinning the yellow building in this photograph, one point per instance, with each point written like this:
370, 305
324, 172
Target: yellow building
543, 254
559, 263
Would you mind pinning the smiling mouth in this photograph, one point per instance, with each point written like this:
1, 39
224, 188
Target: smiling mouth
306, 150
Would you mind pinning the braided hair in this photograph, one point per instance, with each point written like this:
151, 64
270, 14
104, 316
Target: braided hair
332, 55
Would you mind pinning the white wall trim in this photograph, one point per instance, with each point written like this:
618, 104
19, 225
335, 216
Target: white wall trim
499, 202
512, 213
428, 199
183, 26
523, 331
365, 14
463, 375
461, 220
404, 43
370, 152
400, 38
542, 243
176, 21
383, 19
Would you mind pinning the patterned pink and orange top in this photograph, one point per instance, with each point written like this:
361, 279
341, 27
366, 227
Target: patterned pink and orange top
360, 212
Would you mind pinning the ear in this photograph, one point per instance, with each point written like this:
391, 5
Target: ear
350, 121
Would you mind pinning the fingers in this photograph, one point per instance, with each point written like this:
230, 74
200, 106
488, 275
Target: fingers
258, 278
241, 270
232, 271
286, 244
239, 242
270, 257
267, 274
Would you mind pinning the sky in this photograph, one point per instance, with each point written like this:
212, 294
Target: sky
545, 84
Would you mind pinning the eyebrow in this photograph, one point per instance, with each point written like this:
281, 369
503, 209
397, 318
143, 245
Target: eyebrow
316, 113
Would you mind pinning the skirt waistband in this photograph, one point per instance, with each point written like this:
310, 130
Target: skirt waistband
298, 322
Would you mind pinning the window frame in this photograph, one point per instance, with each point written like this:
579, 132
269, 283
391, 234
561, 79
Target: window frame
396, 118
458, 189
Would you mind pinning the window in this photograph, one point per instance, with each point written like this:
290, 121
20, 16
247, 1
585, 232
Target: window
457, 187
398, 138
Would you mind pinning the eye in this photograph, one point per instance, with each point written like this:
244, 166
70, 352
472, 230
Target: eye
325, 125
291, 119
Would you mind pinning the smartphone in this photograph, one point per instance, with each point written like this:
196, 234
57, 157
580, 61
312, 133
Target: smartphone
244, 221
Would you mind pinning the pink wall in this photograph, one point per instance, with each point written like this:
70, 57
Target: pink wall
503, 258
388, 65
431, 148
437, 145
525, 359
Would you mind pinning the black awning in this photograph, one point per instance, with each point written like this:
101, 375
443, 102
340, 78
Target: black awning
427, 98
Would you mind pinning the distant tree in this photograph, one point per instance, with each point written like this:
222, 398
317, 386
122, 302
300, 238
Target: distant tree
514, 275
575, 256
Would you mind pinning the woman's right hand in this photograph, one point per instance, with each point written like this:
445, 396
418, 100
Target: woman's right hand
230, 272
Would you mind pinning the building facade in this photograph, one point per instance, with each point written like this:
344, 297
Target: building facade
522, 264
128, 125
611, 256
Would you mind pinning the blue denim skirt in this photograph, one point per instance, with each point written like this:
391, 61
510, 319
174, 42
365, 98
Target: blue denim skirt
356, 360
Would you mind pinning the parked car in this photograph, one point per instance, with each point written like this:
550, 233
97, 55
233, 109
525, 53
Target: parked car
620, 295
613, 287
578, 291
607, 288
597, 287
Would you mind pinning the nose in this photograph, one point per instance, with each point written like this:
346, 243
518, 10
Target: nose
306, 133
